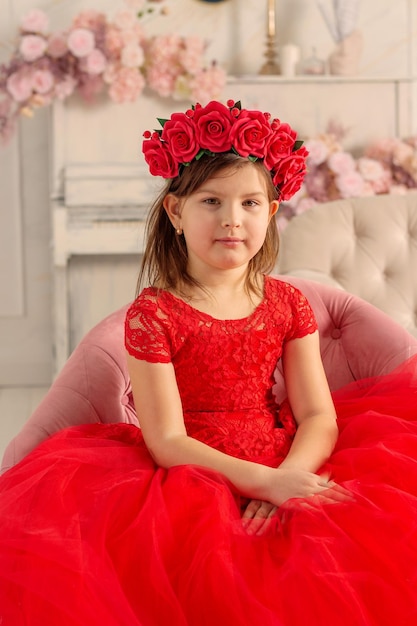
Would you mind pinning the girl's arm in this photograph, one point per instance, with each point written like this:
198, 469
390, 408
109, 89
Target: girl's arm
311, 403
159, 410
316, 435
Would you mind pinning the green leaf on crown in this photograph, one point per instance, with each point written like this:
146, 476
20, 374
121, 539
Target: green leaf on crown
298, 145
162, 121
203, 151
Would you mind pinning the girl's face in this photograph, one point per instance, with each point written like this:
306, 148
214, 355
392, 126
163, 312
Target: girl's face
224, 222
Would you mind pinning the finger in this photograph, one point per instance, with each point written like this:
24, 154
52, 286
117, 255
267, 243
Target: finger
266, 522
332, 495
251, 509
325, 480
258, 525
325, 477
337, 493
264, 510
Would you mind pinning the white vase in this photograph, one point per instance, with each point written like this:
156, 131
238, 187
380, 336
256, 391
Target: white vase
344, 60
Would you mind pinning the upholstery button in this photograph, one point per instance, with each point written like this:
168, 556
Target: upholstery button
336, 333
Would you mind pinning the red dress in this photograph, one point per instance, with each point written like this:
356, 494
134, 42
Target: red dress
92, 533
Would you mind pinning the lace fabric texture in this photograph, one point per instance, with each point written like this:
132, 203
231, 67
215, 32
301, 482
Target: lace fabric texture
225, 368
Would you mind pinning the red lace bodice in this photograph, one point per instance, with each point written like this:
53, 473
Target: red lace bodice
225, 368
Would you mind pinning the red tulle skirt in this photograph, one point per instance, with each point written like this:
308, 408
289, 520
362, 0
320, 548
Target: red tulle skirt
92, 533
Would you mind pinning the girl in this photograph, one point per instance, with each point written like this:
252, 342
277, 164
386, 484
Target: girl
224, 508
211, 240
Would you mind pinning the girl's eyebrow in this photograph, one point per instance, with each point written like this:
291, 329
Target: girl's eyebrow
216, 193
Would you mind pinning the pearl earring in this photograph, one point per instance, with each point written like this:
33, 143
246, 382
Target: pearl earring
179, 231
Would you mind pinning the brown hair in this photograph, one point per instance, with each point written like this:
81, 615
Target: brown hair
164, 262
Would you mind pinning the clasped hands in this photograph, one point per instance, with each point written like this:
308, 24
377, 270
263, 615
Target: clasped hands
289, 484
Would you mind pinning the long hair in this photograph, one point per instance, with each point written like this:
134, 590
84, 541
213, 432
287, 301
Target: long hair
164, 262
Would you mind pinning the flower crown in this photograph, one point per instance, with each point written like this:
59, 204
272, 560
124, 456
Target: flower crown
216, 128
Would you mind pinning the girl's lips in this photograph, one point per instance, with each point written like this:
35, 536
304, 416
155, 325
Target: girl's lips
230, 243
229, 240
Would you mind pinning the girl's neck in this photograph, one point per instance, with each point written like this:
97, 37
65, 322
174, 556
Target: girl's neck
226, 299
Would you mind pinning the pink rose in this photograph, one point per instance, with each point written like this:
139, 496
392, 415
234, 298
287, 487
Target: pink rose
113, 41
132, 56
341, 163
318, 151
161, 81
213, 123
81, 42
32, 47
57, 45
159, 158
19, 86
36, 21
208, 84
65, 88
250, 134
319, 183
88, 89
90, 19
95, 62
280, 144
402, 153
371, 169
42, 81
127, 85
124, 19
191, 55
180, 133
290, 173
350, 184
134, 36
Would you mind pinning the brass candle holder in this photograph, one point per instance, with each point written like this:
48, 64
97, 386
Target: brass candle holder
270, 66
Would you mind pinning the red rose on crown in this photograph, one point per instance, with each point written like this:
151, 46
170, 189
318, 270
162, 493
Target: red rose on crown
250, 133
289, 173
213, 123
180, 133
216, 128
280, 144
159, 157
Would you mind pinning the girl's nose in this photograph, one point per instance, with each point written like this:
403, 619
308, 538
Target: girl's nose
231, 220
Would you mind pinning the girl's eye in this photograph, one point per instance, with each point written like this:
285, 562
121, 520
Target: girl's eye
210, 201
250, 203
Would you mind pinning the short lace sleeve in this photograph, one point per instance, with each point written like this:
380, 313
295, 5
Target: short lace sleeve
303, 320
146, 330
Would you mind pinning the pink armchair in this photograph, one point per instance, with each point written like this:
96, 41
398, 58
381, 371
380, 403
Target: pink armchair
357, 341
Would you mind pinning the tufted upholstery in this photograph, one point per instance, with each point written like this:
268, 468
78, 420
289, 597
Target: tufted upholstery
367, 246
357, 341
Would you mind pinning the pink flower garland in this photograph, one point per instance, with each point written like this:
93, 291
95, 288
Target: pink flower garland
96, 54
386, 166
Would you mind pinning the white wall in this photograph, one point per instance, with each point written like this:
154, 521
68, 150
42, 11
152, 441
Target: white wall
235, 31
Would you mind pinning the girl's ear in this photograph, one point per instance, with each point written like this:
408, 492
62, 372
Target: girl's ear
273, 207
171, 205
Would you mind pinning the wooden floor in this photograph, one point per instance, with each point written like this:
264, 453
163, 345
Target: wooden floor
16, 405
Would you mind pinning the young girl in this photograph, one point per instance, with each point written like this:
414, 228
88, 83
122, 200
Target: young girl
224, 508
